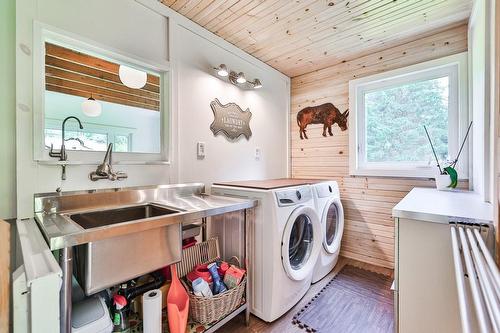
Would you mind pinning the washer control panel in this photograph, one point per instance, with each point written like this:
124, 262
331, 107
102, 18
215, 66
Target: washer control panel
327, 189
294, 196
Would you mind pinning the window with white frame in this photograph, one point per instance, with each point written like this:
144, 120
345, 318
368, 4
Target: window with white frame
135, 120
389, 111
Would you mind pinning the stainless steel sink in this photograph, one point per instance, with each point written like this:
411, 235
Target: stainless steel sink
89, 220
103, 263
119, 234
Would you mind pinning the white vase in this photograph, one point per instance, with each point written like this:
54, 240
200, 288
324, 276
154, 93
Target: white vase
442, 182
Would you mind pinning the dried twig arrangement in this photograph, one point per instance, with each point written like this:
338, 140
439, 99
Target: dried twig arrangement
450, 169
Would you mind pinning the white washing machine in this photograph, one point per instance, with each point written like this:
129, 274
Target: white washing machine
331, 213
284, 247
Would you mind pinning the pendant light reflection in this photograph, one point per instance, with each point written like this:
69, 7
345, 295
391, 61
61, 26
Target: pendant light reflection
91, 107
256, 84
132, 78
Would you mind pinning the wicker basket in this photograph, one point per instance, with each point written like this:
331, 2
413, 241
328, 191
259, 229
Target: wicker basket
206, 310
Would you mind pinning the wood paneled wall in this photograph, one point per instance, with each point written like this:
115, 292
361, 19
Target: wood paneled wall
4, 276
368, 201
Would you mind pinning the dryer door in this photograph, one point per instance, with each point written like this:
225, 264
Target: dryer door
301, 243
333, 224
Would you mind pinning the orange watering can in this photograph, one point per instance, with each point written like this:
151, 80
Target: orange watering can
177, 305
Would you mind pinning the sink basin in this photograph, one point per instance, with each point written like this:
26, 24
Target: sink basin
107, 262
118, 215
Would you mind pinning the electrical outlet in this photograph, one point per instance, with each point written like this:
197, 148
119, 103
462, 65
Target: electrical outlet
200, 150
258, 154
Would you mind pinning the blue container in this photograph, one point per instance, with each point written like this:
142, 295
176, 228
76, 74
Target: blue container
218, 286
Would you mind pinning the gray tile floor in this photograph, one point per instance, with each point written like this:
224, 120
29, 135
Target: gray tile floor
284, 324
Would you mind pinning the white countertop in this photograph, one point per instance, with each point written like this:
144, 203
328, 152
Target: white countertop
429, 204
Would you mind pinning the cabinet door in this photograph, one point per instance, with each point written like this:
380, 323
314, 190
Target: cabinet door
427, 288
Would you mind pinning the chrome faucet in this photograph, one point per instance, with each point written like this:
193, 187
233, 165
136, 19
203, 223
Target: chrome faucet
62, 152
105, 169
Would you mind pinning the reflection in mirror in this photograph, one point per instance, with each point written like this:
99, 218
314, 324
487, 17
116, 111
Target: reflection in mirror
91, 87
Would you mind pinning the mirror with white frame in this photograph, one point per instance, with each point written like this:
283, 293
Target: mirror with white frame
118, 100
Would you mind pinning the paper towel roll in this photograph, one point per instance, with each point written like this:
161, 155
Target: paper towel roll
151, 311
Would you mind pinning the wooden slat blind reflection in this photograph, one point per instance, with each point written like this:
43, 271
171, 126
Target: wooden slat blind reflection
75, 73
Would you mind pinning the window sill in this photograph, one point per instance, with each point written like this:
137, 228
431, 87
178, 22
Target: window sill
408, 174
56, 162
424, 172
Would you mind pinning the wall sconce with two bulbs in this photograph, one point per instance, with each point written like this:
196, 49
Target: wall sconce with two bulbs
238, 79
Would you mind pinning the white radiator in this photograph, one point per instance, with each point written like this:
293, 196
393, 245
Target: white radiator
36, 284
477, 278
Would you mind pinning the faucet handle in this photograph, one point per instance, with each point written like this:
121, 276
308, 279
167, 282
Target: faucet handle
110, 154
52, 153
105, 170
108, 158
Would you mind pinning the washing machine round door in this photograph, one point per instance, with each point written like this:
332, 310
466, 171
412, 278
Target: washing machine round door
333, 224
301, 243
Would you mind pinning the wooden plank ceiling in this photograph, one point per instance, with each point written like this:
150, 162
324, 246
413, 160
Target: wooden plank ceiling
79, 74
300, 36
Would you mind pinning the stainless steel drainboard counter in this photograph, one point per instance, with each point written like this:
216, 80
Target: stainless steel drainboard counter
53, 211
123, 233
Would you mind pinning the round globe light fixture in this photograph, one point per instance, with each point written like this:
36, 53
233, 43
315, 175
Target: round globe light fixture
132, 78
91, 107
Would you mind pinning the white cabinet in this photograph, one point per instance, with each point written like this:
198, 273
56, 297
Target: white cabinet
426, 291
426, 294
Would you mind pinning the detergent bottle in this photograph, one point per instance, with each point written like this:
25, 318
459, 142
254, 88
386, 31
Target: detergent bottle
218, 286
120, 320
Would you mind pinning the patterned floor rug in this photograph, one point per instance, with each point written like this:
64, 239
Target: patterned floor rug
355, 300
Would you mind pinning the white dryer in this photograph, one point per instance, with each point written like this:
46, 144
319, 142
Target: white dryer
331, 213
285, 244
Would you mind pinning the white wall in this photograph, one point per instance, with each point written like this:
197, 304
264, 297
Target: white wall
132, 28
7, 110
480, 68
122, 25
198, 87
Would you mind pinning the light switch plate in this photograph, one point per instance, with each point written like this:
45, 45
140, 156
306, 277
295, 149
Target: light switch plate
258, 153
200, 150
